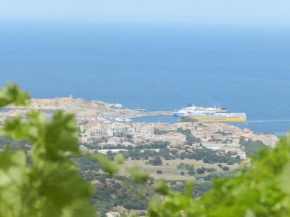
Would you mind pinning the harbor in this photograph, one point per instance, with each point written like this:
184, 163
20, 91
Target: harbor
97, 110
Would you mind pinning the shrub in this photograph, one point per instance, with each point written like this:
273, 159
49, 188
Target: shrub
200, 170
191, 173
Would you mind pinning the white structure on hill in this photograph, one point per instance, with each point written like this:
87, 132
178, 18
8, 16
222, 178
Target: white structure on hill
113, 214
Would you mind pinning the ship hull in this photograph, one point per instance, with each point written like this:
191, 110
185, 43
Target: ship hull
213, 119
177, 114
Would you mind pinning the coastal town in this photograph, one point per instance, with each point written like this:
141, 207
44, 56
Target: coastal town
103, 126
215, 136
177, 152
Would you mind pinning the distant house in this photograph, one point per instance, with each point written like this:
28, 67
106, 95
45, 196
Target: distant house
113, 214
119, 106
83, 148
213, 146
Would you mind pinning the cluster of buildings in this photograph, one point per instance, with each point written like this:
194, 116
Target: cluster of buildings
224, 137
114, 133
225, 133
216, 136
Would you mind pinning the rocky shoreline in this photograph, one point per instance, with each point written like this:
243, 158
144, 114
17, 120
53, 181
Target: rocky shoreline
81, 108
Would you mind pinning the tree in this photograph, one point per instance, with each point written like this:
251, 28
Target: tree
52, 185
200, 170
226, 168
181, 166
251, 147
191, 172
159, 172
156, 161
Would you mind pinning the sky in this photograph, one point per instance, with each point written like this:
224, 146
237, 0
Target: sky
267, 12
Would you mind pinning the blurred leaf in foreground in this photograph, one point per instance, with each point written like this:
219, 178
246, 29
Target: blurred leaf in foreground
52, 185
138, 175
107, 165
11, 94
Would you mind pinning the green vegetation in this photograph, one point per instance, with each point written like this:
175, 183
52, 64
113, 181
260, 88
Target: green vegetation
119, 191
159, 172
191, 172
203, 170
200, 171
45, 187
161, 132
252, 148
223, 133
226, 168
185, 166
156, 161
154, 145
259, 190
208, 156
190, 139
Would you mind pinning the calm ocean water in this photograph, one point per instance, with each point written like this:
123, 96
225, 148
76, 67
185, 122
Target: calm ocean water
246, 69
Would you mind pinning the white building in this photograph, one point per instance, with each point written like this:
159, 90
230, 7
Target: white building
113, 214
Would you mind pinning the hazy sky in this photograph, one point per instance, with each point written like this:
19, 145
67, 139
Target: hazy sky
159, 11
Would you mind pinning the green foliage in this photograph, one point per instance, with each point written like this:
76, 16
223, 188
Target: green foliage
173, 203
251, 147
260, 190
138, 175
107, 165
226, 168
181, 166
45, 187
218, 175
188, 167
190, 139
161, 187
159, 171
200, 170
119, 159
119, 191
191, 172
161, 132
12, 94
156, 161
223, 133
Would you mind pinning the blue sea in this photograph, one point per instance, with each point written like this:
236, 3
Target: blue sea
155, 67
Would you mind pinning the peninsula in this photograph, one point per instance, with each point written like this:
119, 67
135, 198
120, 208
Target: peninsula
82, 108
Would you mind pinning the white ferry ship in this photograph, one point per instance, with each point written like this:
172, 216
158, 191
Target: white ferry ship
192, 108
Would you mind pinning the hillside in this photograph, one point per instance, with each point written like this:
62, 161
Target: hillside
65, 104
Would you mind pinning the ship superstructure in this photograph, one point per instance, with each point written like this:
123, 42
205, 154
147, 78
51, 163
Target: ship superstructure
191, 108
210, 115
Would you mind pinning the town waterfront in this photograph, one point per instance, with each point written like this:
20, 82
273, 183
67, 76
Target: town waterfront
259, 127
